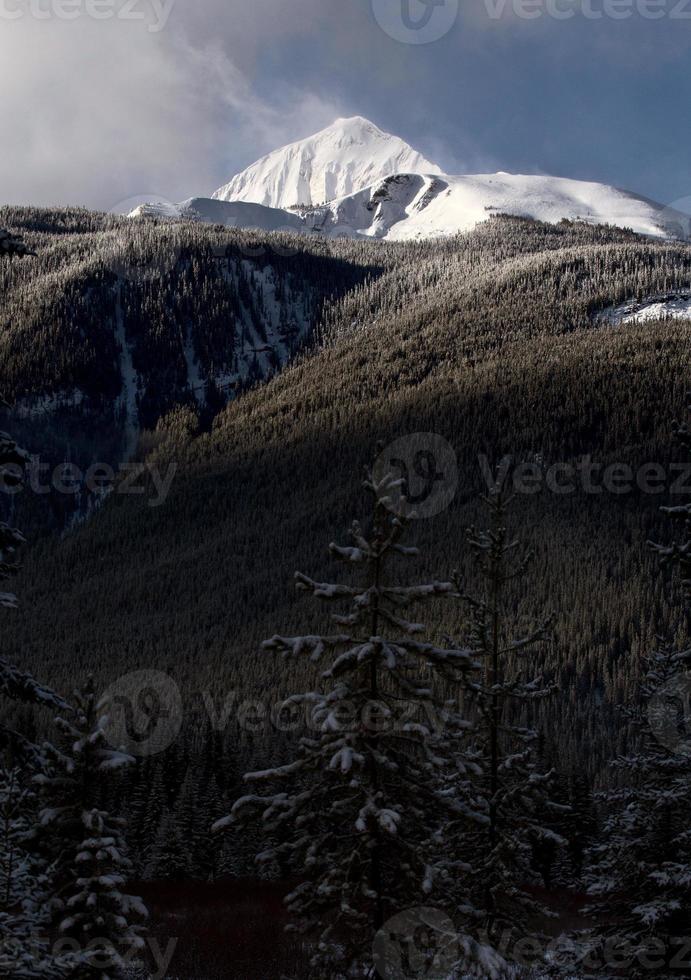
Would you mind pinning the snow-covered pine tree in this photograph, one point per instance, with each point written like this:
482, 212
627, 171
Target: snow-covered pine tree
23, 941
511, 791
641, 875
15, 685
22, 952
15, 812
86, 846
362, 799
640, 879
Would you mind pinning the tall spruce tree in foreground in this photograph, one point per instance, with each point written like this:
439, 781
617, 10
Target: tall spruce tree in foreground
511, 792
364, 803
641, 878
86, 847
23, 954
15, 685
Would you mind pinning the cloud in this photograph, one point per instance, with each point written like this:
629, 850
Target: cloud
93, 112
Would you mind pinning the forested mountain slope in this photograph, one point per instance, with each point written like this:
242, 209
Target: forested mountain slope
490, 340
151, 314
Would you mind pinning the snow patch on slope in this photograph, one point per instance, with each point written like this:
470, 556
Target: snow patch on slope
195, 382
128, 399
655, 308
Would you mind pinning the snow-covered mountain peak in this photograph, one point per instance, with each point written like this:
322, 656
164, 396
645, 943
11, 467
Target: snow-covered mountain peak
346, 157
353, 129
354, 180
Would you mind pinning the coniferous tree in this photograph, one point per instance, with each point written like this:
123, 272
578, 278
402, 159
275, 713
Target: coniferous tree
23, 951
86, 846
210, 805
147, 805
23, 884
581, 827
511, 792
170, 858
641, 876
678, 554
640, 881
15, 684
15, 813
365, 795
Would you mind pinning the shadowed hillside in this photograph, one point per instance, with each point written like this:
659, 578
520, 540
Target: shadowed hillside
490, 342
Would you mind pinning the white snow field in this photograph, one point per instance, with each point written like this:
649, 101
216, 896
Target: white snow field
376, 186
413, 206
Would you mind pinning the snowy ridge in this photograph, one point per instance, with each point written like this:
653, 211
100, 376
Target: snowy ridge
341, 160
230, 214
416, 206
410, 206
376, 186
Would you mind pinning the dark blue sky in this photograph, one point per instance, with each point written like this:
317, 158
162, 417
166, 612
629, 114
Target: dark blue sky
606, 100
175, 105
